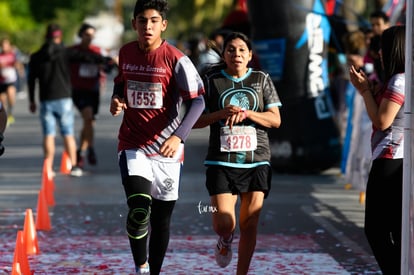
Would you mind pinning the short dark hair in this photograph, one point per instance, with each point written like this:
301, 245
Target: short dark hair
159, 5
84, 27
380, 14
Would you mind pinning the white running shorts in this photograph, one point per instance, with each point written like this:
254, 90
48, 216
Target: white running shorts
162, 172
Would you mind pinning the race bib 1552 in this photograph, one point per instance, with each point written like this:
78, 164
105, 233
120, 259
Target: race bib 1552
144, 95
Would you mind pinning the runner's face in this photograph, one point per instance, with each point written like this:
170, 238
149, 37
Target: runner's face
6, 46
378, 25
88, 35
237, 55
149, 25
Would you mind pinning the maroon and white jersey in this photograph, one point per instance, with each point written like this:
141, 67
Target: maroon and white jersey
155, 84
86, 76
8, 73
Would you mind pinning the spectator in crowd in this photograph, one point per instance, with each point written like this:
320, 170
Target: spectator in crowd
385, 108
212, 54
379, 22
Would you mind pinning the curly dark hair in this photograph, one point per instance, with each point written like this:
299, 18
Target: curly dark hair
159, 5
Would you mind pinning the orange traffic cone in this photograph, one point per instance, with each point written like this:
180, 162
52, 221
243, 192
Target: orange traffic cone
30, 236
65, 163
50, 198
16, 269
47, 174
42, 217
48, 186
20, 260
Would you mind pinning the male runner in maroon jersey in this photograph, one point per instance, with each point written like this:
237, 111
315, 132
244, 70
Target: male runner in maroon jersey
86, 78
154, 79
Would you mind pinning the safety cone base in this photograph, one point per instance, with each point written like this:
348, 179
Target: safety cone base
20, 261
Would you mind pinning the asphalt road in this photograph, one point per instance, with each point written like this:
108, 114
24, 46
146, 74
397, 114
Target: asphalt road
310, 224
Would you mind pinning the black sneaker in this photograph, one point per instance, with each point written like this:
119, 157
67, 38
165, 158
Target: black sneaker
79, 159
91, 156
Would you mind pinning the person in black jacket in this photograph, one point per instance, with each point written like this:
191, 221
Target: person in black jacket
50, 67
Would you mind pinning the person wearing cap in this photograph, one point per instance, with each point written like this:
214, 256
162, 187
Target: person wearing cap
87, 79
49, 66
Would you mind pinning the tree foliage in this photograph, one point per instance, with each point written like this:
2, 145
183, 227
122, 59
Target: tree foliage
16, 22
24, 21
68, 14
192, 16
46, 10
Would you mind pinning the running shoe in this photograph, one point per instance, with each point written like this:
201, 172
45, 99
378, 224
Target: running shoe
142, 269
10, 120
76, 171
91, 156
223, 251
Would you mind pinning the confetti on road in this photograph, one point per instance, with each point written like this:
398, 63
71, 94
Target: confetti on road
275, 254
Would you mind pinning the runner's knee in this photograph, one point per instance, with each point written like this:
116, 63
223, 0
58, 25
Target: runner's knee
138, 215
139, 203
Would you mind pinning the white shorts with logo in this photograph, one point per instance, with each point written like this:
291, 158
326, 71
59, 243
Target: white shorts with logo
164, 173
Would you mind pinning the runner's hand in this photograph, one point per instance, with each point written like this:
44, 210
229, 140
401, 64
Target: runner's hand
117, 105
170, 146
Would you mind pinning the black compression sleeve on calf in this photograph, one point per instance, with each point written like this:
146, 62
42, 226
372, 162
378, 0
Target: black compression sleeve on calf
161, 212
